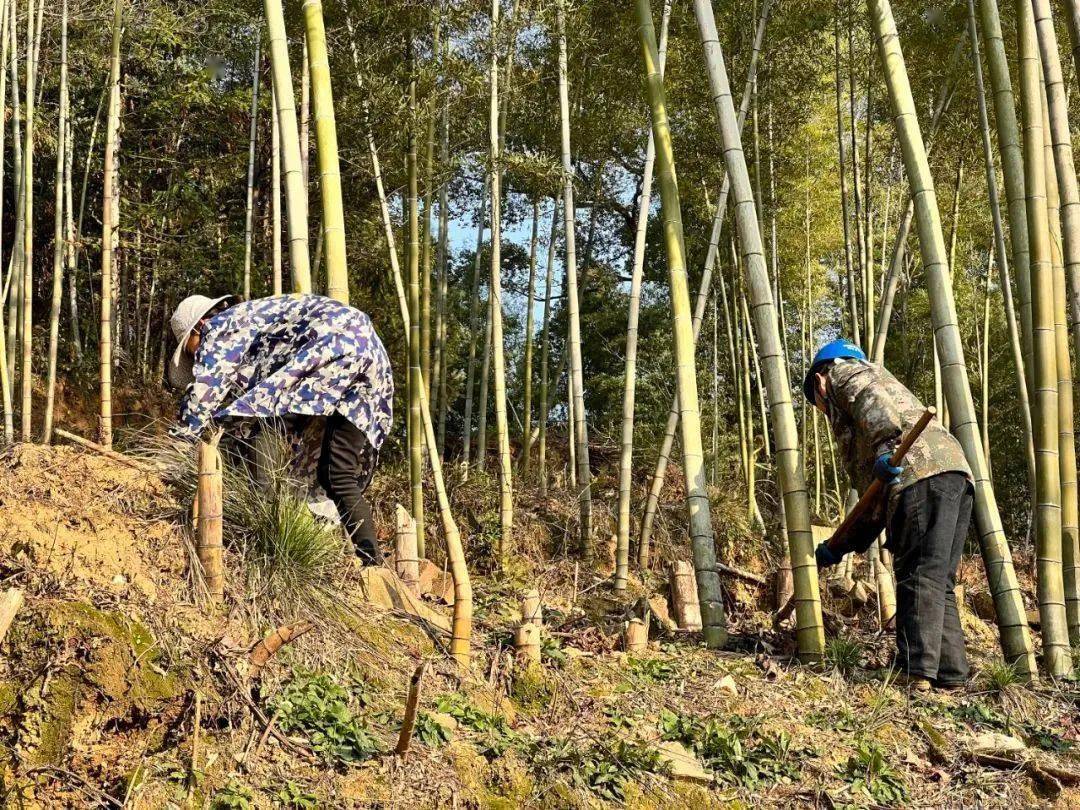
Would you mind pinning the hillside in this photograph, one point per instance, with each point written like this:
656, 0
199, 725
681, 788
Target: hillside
119, 688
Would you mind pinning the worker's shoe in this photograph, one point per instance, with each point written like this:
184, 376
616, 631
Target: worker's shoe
913, 683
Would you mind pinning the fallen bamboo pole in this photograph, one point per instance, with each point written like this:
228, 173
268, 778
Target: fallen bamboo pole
10, 604
143, 466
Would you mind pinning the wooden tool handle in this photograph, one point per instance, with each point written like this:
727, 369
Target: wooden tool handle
873, 492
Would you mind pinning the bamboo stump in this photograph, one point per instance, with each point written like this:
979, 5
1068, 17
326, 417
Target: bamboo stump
407, 556
208, 541
527, 643
636, 636
531, 609
684, 595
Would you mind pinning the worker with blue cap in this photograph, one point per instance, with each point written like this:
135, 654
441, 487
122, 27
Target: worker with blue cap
925, 511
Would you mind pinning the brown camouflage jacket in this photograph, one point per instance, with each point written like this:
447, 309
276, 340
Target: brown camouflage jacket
869, 410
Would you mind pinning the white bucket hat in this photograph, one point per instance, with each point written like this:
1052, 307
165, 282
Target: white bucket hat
184, 319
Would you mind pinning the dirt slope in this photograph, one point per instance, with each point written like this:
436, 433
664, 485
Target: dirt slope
116, 688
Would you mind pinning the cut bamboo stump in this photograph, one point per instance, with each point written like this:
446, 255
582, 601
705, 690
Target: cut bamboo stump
636, 636
527, 643
407, 556
684, 595
10, 604
531, 609
208, 541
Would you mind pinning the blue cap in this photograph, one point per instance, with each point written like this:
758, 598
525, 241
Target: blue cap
833, 350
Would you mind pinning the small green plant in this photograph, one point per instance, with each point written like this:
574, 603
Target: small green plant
998, 676
870, 775
736, 749
495, 735
294, 797
234, 796
650, 669
844, 654
318, 707
430, 732
603, 770
551, 652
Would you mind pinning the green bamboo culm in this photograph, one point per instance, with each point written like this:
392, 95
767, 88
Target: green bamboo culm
415, 421
333, 211
1065, 234
997, 559
809, 625
1050, 588
701, 532
295, 187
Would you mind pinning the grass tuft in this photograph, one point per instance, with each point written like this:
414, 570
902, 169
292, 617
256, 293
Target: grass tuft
844, 654
998, 676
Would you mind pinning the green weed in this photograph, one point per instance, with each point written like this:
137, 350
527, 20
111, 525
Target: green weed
234, 796
737, 750
495, 735
653, 670
429, 732
870, 775
294, 797
318, 707
603, 770
998, 676
844, 654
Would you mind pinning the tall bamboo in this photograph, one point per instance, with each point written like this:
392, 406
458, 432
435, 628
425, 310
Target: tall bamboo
275, 196
811, 639
626, 445
474, 319
27, 277
253, 133
656, 485
701, 532
425, 224
1056, 217
997, 559
527, 365
841, 147
502, 424
545, 349
8, 7
58, 228
414, 425
333, 210
15, 260
1061, 139
1012, 169
441, 371
577, 382
107, 225
293, 168
1001, 253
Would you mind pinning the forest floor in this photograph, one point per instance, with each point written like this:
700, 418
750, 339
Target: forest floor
119, 688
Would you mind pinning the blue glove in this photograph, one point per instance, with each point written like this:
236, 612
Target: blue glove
825, 556
885, 472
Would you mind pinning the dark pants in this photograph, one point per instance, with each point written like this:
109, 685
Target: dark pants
926, 537
344, 450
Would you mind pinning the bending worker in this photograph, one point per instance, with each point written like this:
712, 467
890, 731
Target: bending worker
302, 360
925, 509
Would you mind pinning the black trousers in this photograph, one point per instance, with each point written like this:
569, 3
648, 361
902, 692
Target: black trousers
926, 537
345, 449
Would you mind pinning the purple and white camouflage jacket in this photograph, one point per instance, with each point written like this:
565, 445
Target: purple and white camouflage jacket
294, 354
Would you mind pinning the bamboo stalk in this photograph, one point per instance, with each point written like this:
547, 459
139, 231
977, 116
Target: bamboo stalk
1016, 642
701, 532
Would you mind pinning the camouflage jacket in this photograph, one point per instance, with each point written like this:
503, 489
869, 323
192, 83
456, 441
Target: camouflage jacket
869, 410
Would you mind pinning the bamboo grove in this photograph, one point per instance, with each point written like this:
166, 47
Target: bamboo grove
600, 239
